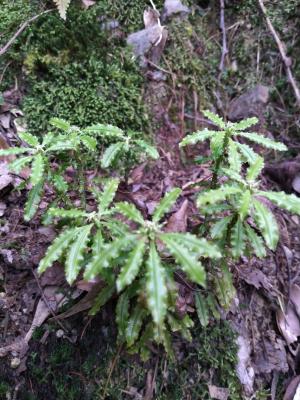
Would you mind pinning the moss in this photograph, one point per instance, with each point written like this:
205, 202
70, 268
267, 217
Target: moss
78, 71
4, 388
67, 370
192, 57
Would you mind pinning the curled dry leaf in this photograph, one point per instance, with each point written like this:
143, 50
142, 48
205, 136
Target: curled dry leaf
178, 221
295, 298
289, 325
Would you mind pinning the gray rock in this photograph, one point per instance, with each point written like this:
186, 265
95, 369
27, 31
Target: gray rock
148, 43
174, 7
250, 104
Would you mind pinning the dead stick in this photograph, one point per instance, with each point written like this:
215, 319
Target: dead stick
281, 47
20, 30
224, 38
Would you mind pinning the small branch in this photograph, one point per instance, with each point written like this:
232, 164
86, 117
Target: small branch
224, 38
20, 30
281, 47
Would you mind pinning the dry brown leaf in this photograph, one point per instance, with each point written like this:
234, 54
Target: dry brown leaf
178, 221
288, 324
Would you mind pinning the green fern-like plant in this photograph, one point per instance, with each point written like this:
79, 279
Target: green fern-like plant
245, 217
131, 263
70, 142
225, 148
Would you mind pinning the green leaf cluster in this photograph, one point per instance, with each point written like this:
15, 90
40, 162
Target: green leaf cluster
70, 142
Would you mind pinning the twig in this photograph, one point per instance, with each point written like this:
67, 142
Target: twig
224, 39
281, 47
47, 302
21, 29
111, 369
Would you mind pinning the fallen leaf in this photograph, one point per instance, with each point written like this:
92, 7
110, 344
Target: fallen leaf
178, 221
288, 324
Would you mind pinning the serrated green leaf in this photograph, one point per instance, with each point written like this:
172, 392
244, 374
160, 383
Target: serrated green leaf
246, 151
102, 298
196, 137
186, 260
263, 141
33, 200
61, 146
267, 224
14, 151
97, 247
199, 246
131, 268
135, 324
246, 123
56, 249
111, 154
19, 163
62, 213
219, 229
180, 325
106, 131
201, 308
130, 211
165, 204
237, 239
89, 142
234, 157
216, 195
166, 340
122, 314
59, 183
47, 139
109, 252
233, 175
244, 204
255, 169
217, 144
224, 287
212, 304
75, 254
37, 169
150, 150
28, 138
108, 194
289, 202
60, 124
156, 287
256, 242
215, 119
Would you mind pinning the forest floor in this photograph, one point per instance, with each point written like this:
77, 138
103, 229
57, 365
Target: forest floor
242, 353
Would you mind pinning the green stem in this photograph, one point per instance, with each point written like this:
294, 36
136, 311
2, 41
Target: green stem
220, 160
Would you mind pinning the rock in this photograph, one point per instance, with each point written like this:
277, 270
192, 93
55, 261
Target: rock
149, 43
249, 104
174, 7
15, 362
60, 333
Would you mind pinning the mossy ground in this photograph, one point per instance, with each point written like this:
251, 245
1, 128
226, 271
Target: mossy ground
64, 371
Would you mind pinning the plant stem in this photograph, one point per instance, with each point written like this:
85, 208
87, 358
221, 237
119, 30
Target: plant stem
220, 160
